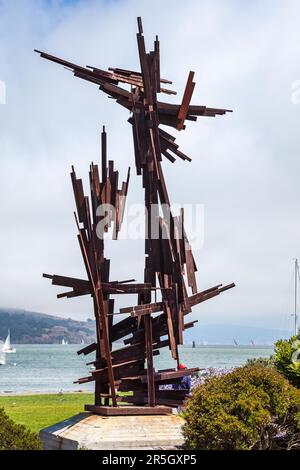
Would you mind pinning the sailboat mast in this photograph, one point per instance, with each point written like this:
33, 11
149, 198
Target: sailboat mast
296, 294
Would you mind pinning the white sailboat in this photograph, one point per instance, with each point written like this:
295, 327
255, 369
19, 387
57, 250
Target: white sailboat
2, 359
7, 348
2, 355
64, 342
297, 280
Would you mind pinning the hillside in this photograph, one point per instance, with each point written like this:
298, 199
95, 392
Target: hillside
29, 327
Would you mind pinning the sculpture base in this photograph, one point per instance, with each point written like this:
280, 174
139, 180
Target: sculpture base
95, 432
129, 410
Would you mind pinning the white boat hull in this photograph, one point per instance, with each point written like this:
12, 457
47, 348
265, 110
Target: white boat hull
9, 351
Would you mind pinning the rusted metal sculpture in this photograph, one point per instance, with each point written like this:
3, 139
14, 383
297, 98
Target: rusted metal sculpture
167, 257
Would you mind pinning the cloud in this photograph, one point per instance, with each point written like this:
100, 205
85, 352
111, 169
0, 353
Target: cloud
245, 166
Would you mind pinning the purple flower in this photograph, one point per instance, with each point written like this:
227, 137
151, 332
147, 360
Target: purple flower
209, 373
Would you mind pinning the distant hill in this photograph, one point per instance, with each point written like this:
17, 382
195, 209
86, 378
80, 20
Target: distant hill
30, 327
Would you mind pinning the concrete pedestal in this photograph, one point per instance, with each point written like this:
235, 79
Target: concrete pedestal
94, 432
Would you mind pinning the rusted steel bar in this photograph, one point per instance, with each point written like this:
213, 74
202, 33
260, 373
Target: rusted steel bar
187, 96
149, 354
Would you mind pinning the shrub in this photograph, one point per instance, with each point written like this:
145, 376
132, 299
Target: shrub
15, 436
287, 358
261, 361
253, 407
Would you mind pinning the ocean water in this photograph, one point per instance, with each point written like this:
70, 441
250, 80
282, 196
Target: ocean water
52, 368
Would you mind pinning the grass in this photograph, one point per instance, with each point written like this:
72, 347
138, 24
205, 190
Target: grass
39, 411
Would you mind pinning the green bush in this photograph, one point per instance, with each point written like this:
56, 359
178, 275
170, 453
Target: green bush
287, 358
261, 361
253, 407
15, 436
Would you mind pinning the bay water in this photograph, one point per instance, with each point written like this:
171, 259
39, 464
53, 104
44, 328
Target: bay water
37, 368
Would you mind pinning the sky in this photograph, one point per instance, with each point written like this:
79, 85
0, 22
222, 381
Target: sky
245, 166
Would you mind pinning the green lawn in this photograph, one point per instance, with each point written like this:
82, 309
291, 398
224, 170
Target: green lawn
39, 411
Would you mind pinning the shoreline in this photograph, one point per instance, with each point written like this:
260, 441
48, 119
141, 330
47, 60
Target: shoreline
189, 345
33, 393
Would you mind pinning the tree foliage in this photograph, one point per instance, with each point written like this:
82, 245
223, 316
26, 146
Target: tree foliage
253, 407
287, 358
15, 436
